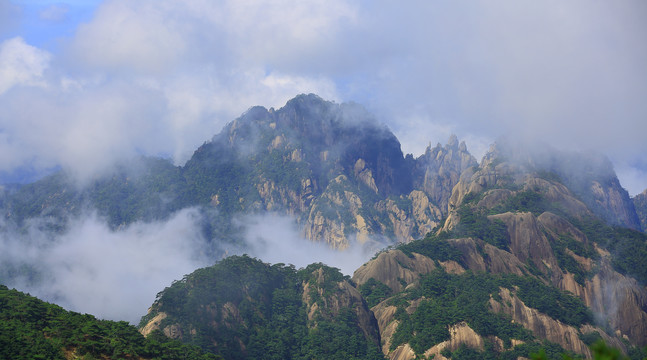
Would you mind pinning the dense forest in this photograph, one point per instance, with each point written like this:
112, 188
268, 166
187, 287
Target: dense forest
33, 329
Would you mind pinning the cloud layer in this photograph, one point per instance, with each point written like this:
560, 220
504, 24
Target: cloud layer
275, 239
110, 274
161, 78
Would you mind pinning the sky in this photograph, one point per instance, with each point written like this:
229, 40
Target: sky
83, 83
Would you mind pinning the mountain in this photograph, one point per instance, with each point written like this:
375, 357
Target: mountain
520, 264
528, 259
308, 160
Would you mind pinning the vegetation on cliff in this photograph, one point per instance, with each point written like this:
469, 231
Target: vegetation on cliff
33, 329
242, 308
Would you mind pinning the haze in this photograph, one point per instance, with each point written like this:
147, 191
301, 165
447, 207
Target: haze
83, 83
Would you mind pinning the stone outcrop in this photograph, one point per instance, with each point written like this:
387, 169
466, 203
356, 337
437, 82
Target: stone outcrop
541, 325
440, 169
153, 324
394, 268
640, 204
344, 296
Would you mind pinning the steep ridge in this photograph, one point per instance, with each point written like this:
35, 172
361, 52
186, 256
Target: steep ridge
640, 203
519, 229
439, 169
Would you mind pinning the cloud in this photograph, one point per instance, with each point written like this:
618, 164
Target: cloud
116, 274
276, 238
633, 176
55, 12
568, 73
21, 64
110, 274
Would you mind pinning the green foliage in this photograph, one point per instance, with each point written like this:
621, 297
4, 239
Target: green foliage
450, 299
473, 197
550, 351
551, 301
33, 329
276, 165
242, 308
434, 247
341, 339
214, 170
374, 291
590, 337
600, 350
474, 223
152, 191
523, 201
627, 247
566, 261
143, 189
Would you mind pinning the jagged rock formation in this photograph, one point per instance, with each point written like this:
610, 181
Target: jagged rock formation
332, 167
439, 169
640, 204
507, 217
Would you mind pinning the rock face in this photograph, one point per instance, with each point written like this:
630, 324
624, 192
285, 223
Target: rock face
394, 269
540, 324
339, 173
440, 168
544, 215
329, 304
546, 238
640, 204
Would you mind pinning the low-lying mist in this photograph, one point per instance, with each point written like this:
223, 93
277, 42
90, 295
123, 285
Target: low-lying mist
110, 274
276, 238
116, 274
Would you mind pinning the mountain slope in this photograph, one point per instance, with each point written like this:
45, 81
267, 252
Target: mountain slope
515, 238
520, 264
242, 308
33, 329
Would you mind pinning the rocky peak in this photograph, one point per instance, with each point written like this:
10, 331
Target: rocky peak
439, 169
589, 177
640, 204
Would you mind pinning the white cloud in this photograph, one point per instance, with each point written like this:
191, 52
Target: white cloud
21, 64
172, 73
275, 239
633, 177
55, 12
110, 274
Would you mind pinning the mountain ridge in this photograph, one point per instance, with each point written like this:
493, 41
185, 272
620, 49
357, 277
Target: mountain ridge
490, 234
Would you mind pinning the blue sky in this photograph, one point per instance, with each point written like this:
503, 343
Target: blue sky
83, 83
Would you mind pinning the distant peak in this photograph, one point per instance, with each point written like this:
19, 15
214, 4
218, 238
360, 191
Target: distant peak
307, 99
453, 141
